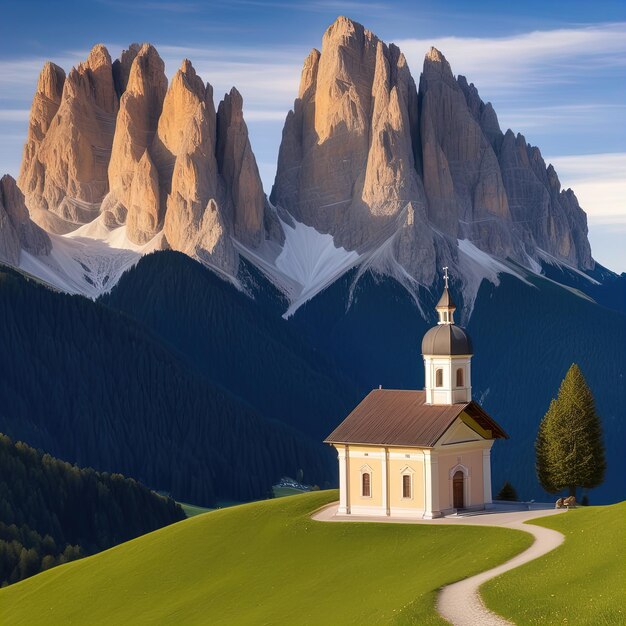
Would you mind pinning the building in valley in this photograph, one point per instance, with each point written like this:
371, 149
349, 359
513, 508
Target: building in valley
420, 454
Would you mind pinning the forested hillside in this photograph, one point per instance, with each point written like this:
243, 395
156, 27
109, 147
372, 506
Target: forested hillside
95, 387
240, 342
52, 512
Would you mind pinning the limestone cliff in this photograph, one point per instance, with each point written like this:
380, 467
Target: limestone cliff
238, 167
64, 176
113, 141
346, 161
463, 183
130, 171
411, 179
368, 158
17, 231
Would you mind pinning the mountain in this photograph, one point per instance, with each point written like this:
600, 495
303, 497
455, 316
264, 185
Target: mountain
416, 178
111, 145
52, 512
95, 387
382, 179
376, 169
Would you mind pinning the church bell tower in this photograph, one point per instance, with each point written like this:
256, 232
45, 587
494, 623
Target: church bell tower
447, 352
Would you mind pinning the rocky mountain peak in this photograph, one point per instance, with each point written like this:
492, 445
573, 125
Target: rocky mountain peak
113, 140
44, 107
344, 28
435, 56
308, 77
239, 169
185, 92
147, 71
50, 82
64, 174
98, 69
436, 66
193, 82
406, 178
133, 181
121, 67
346, 162
361, 160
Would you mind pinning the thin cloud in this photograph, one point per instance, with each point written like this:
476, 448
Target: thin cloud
562, 118
14, 115
500, 65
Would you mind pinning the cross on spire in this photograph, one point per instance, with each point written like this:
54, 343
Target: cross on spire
445, 276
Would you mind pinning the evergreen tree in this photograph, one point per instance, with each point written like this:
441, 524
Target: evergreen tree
569, 447
507, 492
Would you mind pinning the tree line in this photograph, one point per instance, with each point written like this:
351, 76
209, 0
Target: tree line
52, 512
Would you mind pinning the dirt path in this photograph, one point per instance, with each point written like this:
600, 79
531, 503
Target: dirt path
460, 603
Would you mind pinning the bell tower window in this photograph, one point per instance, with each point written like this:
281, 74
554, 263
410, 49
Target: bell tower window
439, 378
459, 377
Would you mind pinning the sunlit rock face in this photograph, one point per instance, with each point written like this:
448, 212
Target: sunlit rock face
113, 140
409, 178
365, 156
64, 175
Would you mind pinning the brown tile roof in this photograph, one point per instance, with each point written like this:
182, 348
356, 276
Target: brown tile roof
393, 417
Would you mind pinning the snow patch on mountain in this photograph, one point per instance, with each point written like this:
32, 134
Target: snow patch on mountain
311, 259
88, 261
307, 262
476, 266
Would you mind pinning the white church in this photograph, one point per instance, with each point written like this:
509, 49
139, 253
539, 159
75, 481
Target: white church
420, 454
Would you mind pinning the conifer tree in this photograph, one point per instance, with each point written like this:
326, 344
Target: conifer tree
569, 447
507, 493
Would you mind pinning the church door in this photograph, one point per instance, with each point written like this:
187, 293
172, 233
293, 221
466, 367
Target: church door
457, 490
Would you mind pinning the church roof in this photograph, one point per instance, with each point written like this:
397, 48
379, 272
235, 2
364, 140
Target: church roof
446, 339
392, 417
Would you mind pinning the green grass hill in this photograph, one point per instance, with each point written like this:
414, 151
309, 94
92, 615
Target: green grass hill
263, 563
582, 582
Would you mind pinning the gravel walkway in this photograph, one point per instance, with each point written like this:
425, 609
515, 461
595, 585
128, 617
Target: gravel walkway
460, 603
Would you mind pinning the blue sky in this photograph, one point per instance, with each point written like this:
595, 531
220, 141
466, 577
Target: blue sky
554, 71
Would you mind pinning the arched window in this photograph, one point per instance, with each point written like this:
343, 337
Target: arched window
459, 377
439, 378
366, 489
406, 486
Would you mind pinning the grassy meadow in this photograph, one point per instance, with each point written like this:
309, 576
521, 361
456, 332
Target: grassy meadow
582, 582
264, 563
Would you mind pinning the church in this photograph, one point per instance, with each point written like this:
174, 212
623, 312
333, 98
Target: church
420, 454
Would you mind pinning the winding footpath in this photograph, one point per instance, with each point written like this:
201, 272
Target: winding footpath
460, 603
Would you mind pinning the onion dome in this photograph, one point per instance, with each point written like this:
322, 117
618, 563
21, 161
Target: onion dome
446, 339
